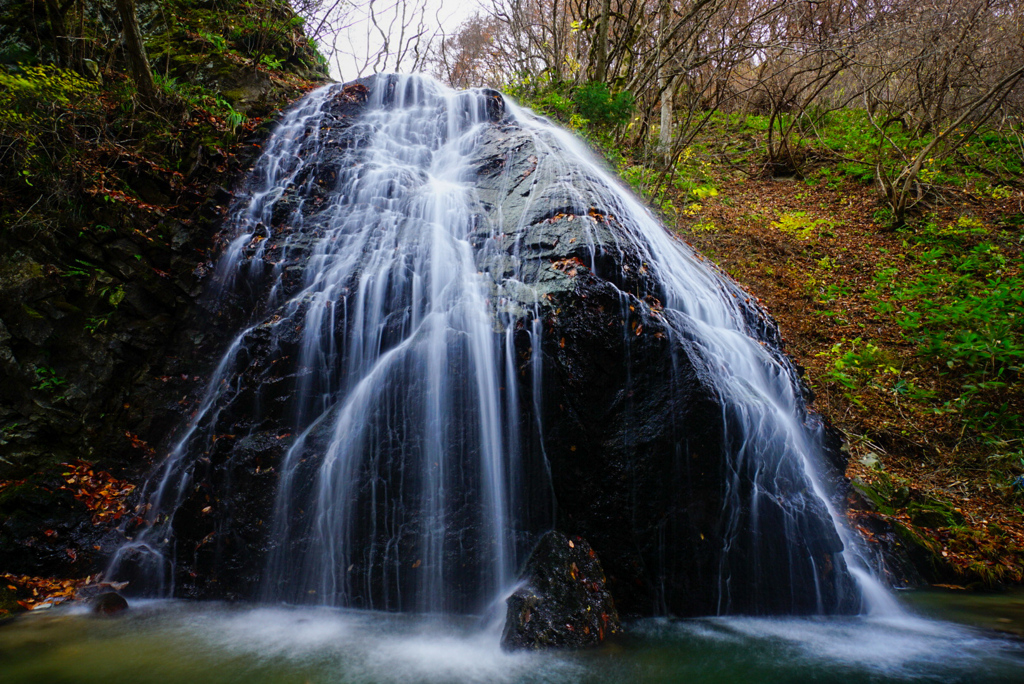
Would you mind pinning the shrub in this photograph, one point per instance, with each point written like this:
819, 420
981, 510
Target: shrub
597, 104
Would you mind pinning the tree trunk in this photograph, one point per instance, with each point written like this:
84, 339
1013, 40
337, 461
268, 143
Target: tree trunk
668, 90
55, 14
666, 83
601, 60
136, 49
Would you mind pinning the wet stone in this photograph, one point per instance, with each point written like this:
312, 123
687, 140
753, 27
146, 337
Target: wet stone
109, 603
563, 601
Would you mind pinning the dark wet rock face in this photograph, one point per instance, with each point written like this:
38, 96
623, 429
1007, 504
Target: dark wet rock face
906, 555
563, 601
45, 531
634, 429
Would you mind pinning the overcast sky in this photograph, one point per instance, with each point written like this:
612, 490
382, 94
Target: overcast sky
360, 39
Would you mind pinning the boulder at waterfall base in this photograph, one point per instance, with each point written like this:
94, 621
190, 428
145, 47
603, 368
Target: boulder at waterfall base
563, 600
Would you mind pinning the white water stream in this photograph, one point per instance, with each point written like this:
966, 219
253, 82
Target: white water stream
408, 437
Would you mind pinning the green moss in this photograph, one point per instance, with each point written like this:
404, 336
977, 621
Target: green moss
18, 268
888, 495
934, 514
912, 540
872, 494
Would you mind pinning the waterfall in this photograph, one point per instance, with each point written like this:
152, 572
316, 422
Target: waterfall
390, 370
770, 437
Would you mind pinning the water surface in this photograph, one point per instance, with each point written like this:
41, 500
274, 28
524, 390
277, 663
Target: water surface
202, 643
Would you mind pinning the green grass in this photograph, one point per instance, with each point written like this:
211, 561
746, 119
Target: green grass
963, 309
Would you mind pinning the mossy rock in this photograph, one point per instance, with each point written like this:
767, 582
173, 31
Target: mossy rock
934, 514
926, 555
872, 496
885, 495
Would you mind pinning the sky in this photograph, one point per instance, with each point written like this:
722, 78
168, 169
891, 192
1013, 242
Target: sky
361, 38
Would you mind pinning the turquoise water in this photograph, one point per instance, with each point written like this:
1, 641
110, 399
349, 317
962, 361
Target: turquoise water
202, 643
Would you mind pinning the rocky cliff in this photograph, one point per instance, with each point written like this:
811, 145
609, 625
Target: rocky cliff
108, 210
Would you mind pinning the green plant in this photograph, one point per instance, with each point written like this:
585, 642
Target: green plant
99, 228
703, 192
799, 225
81, 269
6, 432
832, 292
827, 263
998, 192
964, 310
853, 363
597, 104
36, 101
48, 380
96, 322
113, 294
826, 175
198, 97
644, 180
907, 388
232, 117
25, 87
553, 104
271, 62
218, 41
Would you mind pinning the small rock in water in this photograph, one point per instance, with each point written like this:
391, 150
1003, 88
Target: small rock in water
95, 589
109, 603
563, 602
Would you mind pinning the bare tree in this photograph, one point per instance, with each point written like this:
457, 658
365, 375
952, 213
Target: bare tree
470, 56
935, 71
372, 36
135, 48
925, 66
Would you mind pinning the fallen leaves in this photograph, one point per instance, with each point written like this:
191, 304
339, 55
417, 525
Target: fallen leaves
559, 216
138, 443
103, 494
38, 590
533, 161
353, 93
569, 266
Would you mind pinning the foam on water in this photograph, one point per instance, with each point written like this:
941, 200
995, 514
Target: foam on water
191, 643
371, 647
899, 648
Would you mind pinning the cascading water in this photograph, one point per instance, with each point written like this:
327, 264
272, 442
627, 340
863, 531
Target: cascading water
398, 249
